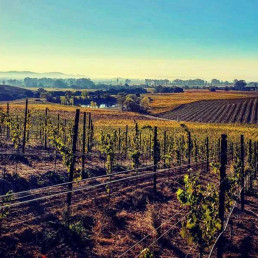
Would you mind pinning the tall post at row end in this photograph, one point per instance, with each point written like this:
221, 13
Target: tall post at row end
223, 164
8, 114
207, 154
45, 137
83, 144
126, 141
155, 158
242, 173
255, 160
25, 126
189, 148
72, 164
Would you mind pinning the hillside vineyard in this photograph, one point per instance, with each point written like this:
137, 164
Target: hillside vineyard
217, 111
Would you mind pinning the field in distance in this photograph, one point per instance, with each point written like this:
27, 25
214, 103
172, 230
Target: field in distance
168, 101
109, 119
241, 111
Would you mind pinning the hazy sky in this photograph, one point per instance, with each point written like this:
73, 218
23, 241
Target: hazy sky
131, 38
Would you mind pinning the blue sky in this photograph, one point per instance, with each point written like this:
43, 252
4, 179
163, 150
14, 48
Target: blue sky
144, 38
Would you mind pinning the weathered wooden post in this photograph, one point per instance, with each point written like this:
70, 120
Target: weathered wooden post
207, 155
45, 129
58, 122
242, 155
25, 126
8, 114
255, 160
250, 160
164, 147
65, 123
89, 133
119, 140
223, 164
140, 141
150, 145
83, 144
189, 149
155, 158
126, 141
71, 168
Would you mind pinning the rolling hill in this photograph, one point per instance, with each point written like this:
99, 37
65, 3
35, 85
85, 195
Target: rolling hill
8, 93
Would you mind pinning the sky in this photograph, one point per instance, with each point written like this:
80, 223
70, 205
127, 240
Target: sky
131, 38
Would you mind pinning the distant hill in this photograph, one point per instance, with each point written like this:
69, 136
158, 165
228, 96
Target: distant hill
8, 93
24, 74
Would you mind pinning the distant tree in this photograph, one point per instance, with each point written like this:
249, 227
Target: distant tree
60, 84
40, 93
85, 93
235, 81
121, 100
178, 90
215, 81
212, 89
83, 83
127, 81
240, 85
30, 82
131, 103
40, 90
145, 103
93, 104
162, 89
68, 94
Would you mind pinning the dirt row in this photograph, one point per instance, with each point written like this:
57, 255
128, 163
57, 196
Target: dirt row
103, 227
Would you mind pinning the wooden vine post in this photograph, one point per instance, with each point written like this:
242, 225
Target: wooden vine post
45, 138
71, 169
25, 126
150, 140
155, 158
250, 153
255, 160
207, 154
164, 146
119, 140
89, 132
83, 144
7, 128
242, 156
58, 122
140, 141
189, 149
65, 123
223, 164
126, 141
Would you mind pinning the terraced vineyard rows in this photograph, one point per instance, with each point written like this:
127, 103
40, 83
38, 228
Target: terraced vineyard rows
241, 111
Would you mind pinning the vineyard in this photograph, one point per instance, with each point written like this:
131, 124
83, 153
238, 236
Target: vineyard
244, 110
75, 185
161, 103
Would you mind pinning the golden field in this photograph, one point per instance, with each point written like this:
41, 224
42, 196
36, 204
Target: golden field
162, 102
114, 118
